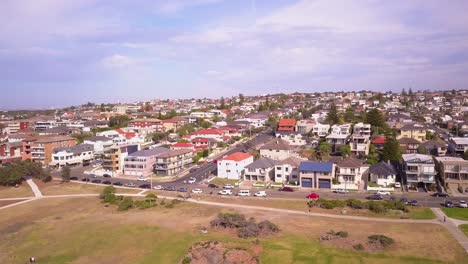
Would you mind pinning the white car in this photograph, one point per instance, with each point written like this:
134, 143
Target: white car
192, 180
228, 186
463, 204
244, 193
225, 192
197, 191
130, 184
397, 185
343, 191
260, 194
383, 193
158, 187
142, 179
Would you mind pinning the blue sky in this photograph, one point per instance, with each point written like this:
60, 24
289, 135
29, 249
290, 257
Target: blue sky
56, 53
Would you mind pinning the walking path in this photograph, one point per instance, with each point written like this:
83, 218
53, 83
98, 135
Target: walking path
452, 227
34, 187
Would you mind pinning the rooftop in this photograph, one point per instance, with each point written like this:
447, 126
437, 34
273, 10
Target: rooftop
316, 166
149, 152
238, 156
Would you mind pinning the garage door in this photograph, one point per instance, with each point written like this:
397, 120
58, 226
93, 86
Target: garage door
324, 184
306, 182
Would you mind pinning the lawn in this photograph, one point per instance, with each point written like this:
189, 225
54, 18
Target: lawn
464, 229
421, 213
60, 188
11, 192
457, 213
221, 181
82, 230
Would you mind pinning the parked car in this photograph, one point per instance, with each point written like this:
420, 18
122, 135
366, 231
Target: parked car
383, 193
182, 189
342, 191
225, 192
392, 198
439, 194
313, 196
192, 180
107, 182
197, 191
397, 185
73, 178
375, 197
260, 194
158, 187
106, 176
85, 179
92, 176
403, 200
142, 179
286, 189
211, 185
413, 203
96, 181
244, 193
228, 186
130, 184
145, 186
193, 170
462, 204
170, 188
117, 183
448, 204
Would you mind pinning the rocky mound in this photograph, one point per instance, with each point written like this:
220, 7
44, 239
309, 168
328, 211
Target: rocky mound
215, 252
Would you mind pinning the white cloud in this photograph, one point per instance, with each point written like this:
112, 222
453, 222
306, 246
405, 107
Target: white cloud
117, 61
174, 6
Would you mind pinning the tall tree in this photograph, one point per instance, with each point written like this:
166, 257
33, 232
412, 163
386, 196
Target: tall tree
403, 92
65, 173
222, 103
373, 156
324, 150
391, 150
349, 115
332, 117
241, 99
345, 150
375, 118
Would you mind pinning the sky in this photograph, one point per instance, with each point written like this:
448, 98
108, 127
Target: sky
56, 53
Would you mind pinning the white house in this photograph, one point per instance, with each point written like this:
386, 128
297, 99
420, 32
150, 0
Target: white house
360, 140
350, 171
99, 143
276, 149
382, 173
293, 138
232, 166
320, 130
75, 155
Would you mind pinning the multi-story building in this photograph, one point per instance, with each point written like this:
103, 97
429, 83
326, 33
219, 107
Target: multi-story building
293, 138
173, 162
262, 169
276, 149
320, 130
318, 175
360, 140
232, 166
453, 170
141, 163
14, 127
409, 145
43, 125
418, 169
305, 126
286, 124
338, 137
414, 130
41, 149
287, 171
350, 171
458, 145
435, 147
100, 144
75, 155
114, 157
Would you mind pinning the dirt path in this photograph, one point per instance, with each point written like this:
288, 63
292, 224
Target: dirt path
452, 227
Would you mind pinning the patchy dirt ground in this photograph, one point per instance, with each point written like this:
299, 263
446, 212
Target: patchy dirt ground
215, 252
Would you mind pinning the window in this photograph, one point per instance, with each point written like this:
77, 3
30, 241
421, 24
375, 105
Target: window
286, 169
251, 170
278, 168
353, 170
228, 171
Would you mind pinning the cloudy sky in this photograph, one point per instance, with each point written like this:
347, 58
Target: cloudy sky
60, 52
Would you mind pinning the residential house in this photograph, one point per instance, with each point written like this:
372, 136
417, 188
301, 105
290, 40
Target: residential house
232, 166
458, 145
286, 124
173, 162
287, 171
100, 144
360, 140
350, 172
182, 145
382, 174
293, 138
41, 149
413, 130
320, 130
305, 126
453, 171
207, 133
276, 149
141, 163
74, 155
379, 142
338, 137
435, 147
262, 169
418, 169
409, 145
316, 175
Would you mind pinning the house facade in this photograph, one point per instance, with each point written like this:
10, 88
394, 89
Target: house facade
453, 170
75, 155
262, 169
382, 174
338, 137
415, 131
173, 162
287, 171
141, 163
316, 175
232, 166
418, 169
276, 149
41, 149
350, 172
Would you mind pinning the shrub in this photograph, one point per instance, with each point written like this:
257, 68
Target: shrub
186, 260
250, 230
356, 204
358, 247
176, 201
377, 207
145, 204
330, 204
126, 204
152, 196
229, 220
380, 241
169, 205
268, 227
339, 233
163, 202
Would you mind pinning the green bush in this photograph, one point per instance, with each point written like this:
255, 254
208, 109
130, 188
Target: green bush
358, 247
151, 196
380, 241
339, 233
377, 207
186, 260
330, 204
126, 204
356, 204
176, 201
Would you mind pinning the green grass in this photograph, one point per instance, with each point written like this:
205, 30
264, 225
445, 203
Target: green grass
421, 213
456, 213
464, 229
221, 181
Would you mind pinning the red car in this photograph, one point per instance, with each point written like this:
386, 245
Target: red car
313, 196
286, 189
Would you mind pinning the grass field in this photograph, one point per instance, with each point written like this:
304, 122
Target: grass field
222, 182
464, 229
82, 230
11, 192
457, 213
422, 213
60, 188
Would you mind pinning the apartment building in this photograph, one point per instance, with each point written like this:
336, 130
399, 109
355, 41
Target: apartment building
173, 162
453, 170
320, 130
418, 169
409, 145
232, 166
141, 163
414, 130
75, 155
100, 144
318, 175
262, 169
338, 137
360, 140
41, 148
305, 126
114, 158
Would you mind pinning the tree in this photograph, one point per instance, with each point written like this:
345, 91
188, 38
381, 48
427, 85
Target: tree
373, 156
222, 103
103, 107
349, 115
119, 121
158, 136
345, 150
324, 149
422, 149
206, 124
241, 99
65, 173
403, 92
465, 155
332, 117
375, 118
205, 153
147, 107
391, 149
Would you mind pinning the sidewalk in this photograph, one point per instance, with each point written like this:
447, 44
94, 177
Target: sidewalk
34, 188
452, 227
